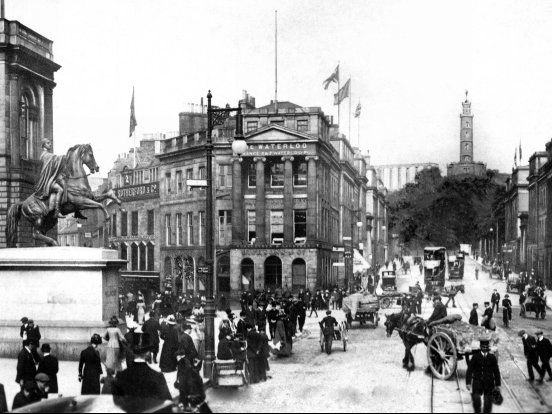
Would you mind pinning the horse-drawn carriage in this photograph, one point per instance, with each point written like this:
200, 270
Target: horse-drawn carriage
448, 341
340, 334
515, 282
389, 280
536, 302
232, 372
362, 308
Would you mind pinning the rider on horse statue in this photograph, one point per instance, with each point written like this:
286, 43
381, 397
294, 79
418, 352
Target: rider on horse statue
51, 184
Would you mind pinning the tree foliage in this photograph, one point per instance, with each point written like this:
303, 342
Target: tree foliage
443, 211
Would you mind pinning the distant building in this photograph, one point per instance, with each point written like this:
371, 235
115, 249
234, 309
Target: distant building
466, 166
395, 176
27, 82
376, 216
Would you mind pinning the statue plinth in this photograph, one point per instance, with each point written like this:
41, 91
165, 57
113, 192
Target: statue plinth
70, 293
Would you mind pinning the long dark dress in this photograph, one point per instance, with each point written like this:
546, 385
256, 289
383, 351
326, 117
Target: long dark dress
90, 369
167, 361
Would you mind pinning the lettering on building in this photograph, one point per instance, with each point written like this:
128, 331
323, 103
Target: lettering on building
138, 192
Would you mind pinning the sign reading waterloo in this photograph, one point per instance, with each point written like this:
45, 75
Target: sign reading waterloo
138, 192
286, 148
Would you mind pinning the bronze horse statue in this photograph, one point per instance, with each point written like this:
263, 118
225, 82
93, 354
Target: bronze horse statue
411, 333
79, 196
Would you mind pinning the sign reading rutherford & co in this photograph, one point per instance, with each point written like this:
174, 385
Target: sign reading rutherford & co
138, 192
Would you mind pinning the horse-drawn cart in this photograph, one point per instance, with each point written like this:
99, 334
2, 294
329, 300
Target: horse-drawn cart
340, 334
536, 302
449, 343
362, 308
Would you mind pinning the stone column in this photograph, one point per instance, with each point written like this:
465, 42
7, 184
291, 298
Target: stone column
48, 113
237, 201
311, 198
260, 201
15, 150
288, 199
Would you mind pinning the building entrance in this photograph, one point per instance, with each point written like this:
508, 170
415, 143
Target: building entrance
273, 273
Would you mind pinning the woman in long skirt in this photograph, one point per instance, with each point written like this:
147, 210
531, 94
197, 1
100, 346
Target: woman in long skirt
280, 336
90, 367
114, 338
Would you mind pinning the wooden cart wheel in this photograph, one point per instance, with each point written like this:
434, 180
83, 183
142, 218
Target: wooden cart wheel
246, 374
385, 303
441, 356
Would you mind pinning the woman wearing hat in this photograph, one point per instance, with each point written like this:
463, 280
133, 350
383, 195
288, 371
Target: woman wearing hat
90, 367
115, 340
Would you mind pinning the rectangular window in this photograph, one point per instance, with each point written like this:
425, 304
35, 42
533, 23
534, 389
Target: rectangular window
179, 182
124, 223
300, 226
178, 229
142, 250
277, 174
151, 221
225, 222
134, 224
190, 224
151, 257
222, 176
202, 173
277, 122
201, 226
189, 174
300, 174
302, 125
276, 226
252, 175
251, 228
168, 182
114, 225
168, 229
252, 126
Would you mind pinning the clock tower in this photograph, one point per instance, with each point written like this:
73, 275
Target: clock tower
466, 132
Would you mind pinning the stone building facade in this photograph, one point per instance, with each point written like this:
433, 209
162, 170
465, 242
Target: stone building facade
134, 227
467, 165
376, 213
26, 115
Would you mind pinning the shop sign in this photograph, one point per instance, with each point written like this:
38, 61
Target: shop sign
286, 148
138, 192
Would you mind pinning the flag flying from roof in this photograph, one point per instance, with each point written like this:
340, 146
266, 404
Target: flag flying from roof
520, 151
343, 93
357, 110
334, 77
133, 122
515, 157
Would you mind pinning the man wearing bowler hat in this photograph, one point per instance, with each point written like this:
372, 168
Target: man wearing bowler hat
483, 377
544, 351
139, 380
439, 310
530, 351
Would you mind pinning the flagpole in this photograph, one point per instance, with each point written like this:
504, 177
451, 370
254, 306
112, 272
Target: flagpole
350, 99
276, 60
338, 89
358, 129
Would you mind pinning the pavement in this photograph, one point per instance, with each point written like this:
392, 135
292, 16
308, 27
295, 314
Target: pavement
368, 377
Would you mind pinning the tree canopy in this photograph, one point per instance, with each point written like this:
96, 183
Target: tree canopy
444, 211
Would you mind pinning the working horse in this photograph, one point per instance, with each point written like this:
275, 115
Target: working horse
78, 196
411, 332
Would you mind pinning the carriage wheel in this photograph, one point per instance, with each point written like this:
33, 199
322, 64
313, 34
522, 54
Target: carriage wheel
441, 356
246, 377
385, 303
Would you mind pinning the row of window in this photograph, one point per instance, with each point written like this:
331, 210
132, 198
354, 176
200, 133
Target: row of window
135, 177
186, 232
134, 224
301, 124
140, 257
277, 226
274, 174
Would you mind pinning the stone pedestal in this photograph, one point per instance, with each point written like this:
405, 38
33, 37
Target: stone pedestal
70, 293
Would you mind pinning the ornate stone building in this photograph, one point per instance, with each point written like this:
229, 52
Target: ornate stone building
26, 115
395, 176
466, 166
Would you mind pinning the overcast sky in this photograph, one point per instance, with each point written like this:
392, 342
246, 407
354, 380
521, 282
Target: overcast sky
410, 63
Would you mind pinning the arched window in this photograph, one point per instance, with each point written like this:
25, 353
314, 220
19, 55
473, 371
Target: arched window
28, 124
247, 273
273, 272
298, 274
188, 273
142, 258
134, 256
151, 256
167, 268
223, 273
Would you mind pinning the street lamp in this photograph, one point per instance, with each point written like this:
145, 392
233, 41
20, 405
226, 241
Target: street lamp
215, 116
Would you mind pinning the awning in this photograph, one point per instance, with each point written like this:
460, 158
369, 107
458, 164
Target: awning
360, 264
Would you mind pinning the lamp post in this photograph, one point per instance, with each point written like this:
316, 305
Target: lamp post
215, 116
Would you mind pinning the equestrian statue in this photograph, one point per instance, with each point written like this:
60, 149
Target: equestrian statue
62, 189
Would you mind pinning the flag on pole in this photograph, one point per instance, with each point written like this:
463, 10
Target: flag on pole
133, 122
357, 110
520, 151
515, 157
334, 77
343, 93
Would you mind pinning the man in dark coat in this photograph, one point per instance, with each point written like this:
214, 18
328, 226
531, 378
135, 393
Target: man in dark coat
169, 334
544, 351
301, 310
139, 380
260, 319
90, 367
487, 316
255, 355
506, 310
530, 351
241, 326
23, 329
190, 387
328, 325
439, 310
152, 328
483, 377
26, 363
495, 300
474, 318
3, 401
49, 365
27, 395
186, 348
272, 317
